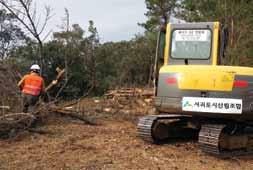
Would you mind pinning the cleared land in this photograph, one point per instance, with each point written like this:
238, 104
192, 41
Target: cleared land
113, 144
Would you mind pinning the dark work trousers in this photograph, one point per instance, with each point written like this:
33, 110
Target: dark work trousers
29, 101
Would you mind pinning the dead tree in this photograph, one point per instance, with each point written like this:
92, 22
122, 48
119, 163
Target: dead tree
26, 13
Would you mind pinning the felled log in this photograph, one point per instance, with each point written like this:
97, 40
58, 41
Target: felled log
73, 114
39, 131
5, 107
130, 92
60, 73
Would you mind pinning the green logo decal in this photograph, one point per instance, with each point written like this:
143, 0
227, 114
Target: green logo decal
187, 104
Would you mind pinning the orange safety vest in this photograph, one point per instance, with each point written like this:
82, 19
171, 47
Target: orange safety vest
32, 84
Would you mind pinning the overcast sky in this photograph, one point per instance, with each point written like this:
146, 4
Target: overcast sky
115, 20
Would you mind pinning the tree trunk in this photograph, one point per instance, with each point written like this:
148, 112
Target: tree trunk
40, 57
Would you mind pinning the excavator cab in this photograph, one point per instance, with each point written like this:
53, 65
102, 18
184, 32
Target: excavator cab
192, 42
194, 88
193, 54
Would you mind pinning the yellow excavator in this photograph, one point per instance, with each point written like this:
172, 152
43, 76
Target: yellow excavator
196, 94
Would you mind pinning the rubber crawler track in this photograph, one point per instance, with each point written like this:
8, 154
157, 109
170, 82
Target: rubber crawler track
146, 124
209, 137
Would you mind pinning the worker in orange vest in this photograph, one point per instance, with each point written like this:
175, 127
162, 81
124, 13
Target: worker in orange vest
32, 86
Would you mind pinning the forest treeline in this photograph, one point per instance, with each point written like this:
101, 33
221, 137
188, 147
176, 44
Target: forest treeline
93, 66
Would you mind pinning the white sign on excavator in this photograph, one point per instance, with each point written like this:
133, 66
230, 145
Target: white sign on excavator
191, 35
212, 105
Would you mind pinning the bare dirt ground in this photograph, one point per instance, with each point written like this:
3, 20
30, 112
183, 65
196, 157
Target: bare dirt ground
112, 145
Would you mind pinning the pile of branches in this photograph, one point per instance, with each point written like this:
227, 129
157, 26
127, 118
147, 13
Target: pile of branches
13, 123
8, 80
8, 87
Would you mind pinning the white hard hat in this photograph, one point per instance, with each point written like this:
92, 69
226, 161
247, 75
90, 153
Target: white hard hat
35, 67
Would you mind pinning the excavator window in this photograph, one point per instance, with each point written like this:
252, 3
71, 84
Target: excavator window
191, 44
